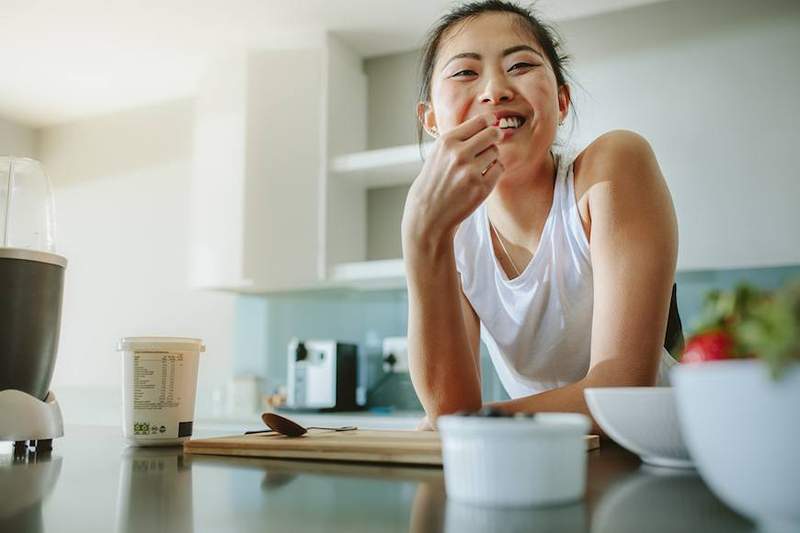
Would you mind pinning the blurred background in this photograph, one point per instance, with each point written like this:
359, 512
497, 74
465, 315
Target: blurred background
236, 170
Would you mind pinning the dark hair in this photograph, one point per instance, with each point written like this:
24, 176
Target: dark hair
545, 34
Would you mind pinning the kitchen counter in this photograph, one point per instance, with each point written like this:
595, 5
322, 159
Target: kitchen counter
92, 482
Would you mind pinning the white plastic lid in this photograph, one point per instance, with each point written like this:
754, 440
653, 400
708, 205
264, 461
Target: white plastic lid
160, 344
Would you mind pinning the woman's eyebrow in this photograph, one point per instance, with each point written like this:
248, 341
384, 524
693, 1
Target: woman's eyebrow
470, 55
522, 48
506, 52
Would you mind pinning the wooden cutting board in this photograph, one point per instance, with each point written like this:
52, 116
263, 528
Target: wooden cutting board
361, 445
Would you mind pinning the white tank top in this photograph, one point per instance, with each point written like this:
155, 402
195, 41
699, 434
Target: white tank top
537, 327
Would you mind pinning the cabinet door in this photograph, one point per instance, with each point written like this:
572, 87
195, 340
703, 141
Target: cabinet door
257, 172
218, 177
283, 168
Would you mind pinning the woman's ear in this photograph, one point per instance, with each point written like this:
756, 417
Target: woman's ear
564, 101
427, 118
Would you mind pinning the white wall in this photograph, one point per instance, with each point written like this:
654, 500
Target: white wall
713, 84
16, 139
121, 190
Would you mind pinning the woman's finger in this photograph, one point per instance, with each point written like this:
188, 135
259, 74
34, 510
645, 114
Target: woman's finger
470, 127
492, 173
485, 159
483, 140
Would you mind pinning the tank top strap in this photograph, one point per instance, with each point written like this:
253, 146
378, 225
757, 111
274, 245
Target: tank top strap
568, 204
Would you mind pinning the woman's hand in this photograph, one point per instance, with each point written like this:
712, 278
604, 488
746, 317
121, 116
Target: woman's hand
457, 176
425, 425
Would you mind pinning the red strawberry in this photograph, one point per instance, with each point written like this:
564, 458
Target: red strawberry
710, 346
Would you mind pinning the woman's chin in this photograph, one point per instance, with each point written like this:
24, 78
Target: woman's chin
509, 157
513, 153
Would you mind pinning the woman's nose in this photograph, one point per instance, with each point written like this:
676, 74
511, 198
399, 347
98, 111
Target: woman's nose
497, 90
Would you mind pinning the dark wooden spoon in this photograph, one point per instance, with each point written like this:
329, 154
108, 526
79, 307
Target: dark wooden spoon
290, 428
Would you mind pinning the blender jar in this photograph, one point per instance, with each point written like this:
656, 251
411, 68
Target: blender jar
31, 278
27, 218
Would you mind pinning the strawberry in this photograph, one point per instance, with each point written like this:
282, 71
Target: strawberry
714, 345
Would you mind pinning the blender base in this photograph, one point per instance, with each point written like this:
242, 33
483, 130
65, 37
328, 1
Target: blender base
29, 421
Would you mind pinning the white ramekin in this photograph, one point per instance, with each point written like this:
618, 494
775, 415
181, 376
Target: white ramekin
514, 462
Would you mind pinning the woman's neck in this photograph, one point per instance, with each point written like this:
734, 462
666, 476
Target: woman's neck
522, 198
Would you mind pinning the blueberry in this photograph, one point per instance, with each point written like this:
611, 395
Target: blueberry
491, 412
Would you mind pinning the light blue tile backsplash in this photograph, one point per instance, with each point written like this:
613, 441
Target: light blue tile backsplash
265, 324
694, 284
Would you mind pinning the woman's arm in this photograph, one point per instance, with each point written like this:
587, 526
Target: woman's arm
443, 337
634, 249
458, 175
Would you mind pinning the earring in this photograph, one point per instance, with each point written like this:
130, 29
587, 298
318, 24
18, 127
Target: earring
434, 132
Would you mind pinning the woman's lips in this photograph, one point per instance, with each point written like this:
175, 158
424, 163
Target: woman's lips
509, 132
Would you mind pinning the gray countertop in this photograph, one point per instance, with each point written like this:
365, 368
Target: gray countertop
92, 482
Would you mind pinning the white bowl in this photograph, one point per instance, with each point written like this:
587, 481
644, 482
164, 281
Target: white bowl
743, 428
642, 420
514, 462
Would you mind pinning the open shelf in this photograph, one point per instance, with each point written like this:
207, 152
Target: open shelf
382, 274
398, 165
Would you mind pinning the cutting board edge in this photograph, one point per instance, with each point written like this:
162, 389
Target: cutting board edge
232, 441
410, 459
306, 446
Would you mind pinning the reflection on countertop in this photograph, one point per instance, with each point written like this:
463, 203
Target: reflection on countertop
25, 482
656, 499
155, 491
92, 482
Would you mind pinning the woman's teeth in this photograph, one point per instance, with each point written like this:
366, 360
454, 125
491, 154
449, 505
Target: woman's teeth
511, 122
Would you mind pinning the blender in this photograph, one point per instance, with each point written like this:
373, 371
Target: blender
31, 289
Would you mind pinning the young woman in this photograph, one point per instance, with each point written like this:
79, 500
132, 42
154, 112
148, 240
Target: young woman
563, 264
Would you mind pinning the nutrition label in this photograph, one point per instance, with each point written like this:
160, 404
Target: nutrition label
154, 380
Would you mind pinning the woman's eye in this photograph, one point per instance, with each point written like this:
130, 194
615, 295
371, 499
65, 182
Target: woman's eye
462, 73
517, 66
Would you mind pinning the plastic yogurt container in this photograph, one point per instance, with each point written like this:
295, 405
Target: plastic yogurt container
159, 384
514, 461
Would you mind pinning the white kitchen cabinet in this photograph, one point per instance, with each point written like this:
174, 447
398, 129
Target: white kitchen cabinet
261, 203
281, 174
378, 274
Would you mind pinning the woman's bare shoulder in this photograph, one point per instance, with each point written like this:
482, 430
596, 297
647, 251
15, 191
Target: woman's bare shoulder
615, 155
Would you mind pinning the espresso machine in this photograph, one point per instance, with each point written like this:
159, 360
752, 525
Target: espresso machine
31, 290
322, 376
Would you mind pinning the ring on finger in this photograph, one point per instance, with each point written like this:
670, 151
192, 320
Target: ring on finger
488, 168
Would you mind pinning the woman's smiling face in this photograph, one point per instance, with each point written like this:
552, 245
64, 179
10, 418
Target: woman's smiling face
491, 63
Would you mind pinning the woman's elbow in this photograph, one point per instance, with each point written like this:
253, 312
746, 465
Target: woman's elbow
610, 376
446, 405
